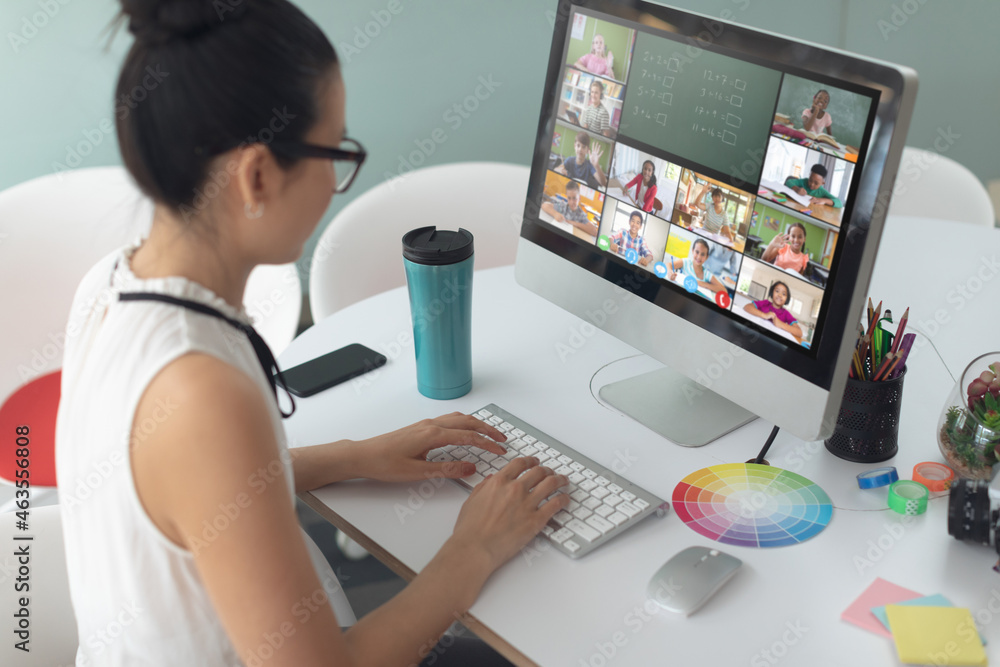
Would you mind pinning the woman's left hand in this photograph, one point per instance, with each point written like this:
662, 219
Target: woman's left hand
401, 456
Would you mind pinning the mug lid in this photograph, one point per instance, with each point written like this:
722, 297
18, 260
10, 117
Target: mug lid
429, 245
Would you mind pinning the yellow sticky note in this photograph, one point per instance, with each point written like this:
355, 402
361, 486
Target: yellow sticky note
935, 635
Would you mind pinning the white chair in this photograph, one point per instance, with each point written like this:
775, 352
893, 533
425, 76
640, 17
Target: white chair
52, 230
930, 185
360, 252
53, 634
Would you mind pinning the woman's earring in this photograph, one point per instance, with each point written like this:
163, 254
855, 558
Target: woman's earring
255, 212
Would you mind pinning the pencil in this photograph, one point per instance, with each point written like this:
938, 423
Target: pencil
871, 310
899, 330
884, 367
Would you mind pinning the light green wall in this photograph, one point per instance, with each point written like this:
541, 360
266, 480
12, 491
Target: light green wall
615, 40
403, 82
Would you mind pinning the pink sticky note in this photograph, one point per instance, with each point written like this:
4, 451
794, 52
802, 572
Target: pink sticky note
881, 592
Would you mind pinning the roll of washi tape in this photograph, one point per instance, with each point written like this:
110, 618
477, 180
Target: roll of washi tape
871, 479
935, 476
908, 497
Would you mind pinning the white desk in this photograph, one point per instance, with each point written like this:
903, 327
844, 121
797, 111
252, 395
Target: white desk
546, 608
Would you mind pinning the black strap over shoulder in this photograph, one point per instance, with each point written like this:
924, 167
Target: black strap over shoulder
260, 347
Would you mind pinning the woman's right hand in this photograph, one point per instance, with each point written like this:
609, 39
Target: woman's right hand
502, 514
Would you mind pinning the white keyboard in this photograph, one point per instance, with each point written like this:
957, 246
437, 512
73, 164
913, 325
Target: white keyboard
601, 506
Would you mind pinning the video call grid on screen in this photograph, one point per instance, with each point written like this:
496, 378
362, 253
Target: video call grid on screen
727, 142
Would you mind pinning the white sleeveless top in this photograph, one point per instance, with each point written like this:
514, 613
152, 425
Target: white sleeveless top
137, 596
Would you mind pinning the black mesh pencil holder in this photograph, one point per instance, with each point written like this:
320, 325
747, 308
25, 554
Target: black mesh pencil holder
868, 422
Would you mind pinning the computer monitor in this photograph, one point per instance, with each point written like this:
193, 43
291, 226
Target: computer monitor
745, 265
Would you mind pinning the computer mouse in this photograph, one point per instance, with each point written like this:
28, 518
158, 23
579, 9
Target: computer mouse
686, 582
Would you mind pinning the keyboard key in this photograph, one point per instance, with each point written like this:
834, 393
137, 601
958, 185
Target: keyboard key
470, 458
612, 500
499, 463
600, 524
510, 454
516, 432
494, 420
581, 513
580, 495
563, 470
487, 456
542, 456
571, 546
479, 417
561, 535
600, 492
614, 488
565, 460
589, 474
575, 478
602, 480
562, 517
483, 467
516, 444
572, 505
547, 531
588, 485
583, 530
540, 445
617, 518
442, 458
459, 452
528, 439
640, 503
528, 451
505, 426
627, 495
628, 509
474, 479
552, 451
550, 463
577, 466
603, 511
485, 413
591, 503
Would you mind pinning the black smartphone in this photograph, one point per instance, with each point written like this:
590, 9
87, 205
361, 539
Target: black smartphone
331, 369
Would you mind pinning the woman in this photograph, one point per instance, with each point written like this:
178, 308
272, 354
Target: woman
196, 527
645, 187
773, 310
594, 116
695, 266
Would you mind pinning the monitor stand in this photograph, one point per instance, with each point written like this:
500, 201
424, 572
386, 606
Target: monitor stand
676, 407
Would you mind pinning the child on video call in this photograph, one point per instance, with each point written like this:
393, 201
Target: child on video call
632, 240
570, 210
645, 187
813, 186
773, 309
816, 118
585, 164
599, 61
694, 265
785, 250
594, 116
712, 201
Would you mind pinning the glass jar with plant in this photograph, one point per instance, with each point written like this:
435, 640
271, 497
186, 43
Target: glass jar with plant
969, 428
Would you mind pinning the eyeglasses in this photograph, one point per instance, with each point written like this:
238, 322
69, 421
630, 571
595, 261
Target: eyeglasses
347, 158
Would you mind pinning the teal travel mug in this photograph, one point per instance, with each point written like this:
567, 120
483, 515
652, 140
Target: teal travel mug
438, 267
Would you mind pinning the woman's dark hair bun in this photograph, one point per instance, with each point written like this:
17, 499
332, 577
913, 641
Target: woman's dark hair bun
160, 21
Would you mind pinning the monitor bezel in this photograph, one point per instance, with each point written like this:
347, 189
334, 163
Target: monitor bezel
871, 190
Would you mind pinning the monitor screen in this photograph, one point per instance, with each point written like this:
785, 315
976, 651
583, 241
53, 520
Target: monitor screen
727, 176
